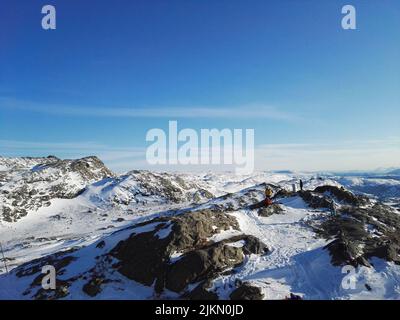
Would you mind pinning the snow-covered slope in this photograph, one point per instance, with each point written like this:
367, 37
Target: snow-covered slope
28, 184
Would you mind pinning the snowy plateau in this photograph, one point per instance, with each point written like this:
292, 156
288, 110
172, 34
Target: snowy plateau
157, 235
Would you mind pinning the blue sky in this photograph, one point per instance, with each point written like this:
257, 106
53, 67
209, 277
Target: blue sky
319, 97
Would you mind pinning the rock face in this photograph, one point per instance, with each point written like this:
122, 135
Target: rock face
328, 196
30, 183
270, 210
202, 264
317, 201
148, 257
342, 195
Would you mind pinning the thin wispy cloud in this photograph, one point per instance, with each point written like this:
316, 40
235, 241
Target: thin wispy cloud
250, 111
344, 156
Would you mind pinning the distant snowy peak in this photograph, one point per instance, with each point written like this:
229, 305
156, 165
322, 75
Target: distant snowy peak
144, 187
28, 184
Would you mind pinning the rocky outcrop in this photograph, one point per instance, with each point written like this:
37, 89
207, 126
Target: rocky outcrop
267, 211
148, 257
31, 183
317, 201
247, 291
362, 233
202, 264
342, 195
358, 228
330, 196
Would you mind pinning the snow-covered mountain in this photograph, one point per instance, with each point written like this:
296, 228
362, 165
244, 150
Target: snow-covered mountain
149, 235
27, 184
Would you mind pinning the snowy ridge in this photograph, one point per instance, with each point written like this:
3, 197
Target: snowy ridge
30, 183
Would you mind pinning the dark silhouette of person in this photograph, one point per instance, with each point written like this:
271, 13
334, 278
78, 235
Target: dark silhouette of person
301, 185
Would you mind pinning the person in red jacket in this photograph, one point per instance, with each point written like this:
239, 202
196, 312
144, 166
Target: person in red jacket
268, 194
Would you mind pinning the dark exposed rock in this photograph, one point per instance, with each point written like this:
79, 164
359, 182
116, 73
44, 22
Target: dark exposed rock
267, 211
201, 194
342, 195
246, 292
93, 287
327, 196
60, 292
58, 260
344, 252
283, 193
252, 245
316, 201
101, 244
294, 297
388, 250
362, 233
202, 264
145, 256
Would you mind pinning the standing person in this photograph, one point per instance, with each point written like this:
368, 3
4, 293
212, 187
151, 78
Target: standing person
301, 185
268, 195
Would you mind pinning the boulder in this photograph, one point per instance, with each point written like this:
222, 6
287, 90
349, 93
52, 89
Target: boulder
202, 264
146, 256
267, 211
316, 201
246, 291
